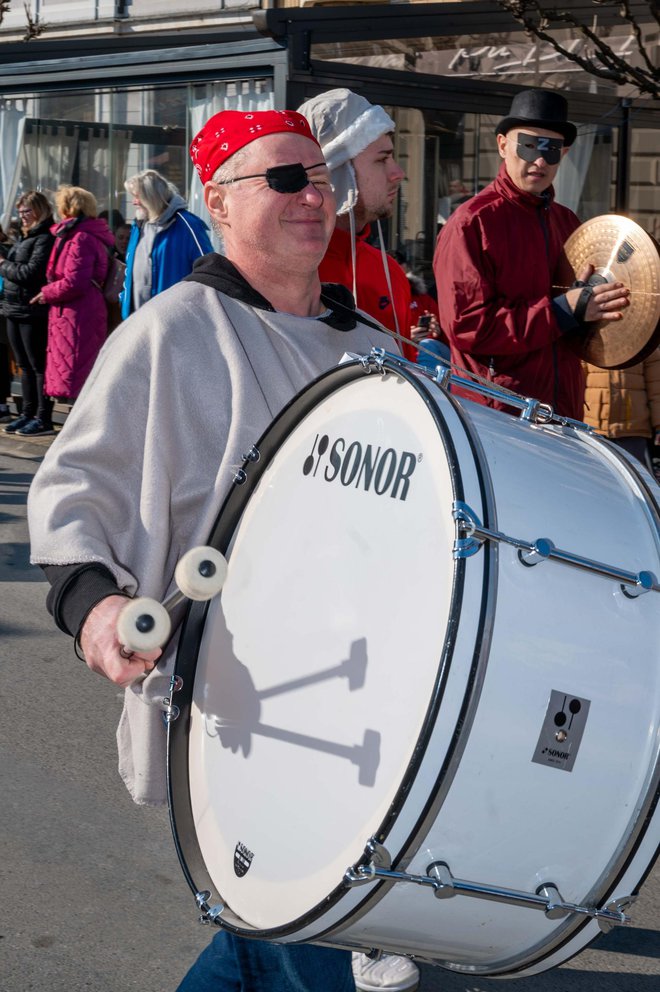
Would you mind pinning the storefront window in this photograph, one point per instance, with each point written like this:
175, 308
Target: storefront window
510, 57
97, 138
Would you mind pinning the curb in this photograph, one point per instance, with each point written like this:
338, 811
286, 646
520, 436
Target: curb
31, 449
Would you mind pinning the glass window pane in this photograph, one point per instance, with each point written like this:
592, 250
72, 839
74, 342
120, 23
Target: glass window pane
97, 138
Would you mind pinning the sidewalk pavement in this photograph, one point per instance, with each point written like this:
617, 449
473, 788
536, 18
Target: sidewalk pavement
33, 448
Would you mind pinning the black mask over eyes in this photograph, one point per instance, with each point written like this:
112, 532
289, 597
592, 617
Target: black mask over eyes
531, 146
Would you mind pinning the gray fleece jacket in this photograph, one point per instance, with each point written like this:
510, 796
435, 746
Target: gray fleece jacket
178, 394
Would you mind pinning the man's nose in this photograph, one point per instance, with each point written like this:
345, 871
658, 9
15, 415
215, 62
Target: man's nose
312, 194
397, 174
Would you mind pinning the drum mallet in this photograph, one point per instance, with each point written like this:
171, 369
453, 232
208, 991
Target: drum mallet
144, 624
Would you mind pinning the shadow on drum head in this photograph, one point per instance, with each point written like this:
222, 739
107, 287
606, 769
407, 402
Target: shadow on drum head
237, 713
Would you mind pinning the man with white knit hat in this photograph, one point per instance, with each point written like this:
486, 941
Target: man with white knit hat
356, 138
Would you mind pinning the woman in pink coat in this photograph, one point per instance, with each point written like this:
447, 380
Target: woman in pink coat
78, 316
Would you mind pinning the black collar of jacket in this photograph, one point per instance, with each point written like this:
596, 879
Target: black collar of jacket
219, 273
41, 228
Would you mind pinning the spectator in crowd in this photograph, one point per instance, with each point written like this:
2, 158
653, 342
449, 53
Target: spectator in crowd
15, 230
122, 236
5, 373
499, 256
356, 138
115, 219
624, 405
23, 271
249, 329
78, 318
165, 241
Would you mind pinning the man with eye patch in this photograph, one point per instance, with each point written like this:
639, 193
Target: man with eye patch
500, 267
179, 393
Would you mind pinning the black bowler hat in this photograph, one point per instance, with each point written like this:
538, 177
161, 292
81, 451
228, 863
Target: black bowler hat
539, 108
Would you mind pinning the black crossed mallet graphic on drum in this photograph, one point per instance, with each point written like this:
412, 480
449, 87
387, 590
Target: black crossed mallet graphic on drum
145, 624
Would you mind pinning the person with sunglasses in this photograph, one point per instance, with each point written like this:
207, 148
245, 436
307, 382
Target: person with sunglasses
501, 270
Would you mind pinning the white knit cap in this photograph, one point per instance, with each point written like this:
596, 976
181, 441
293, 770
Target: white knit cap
344, 124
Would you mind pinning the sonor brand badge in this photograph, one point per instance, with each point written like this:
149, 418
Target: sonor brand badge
242, 859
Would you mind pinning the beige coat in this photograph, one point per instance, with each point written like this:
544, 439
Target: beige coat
624, 402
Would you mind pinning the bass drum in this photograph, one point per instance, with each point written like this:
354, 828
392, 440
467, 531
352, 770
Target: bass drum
432, 671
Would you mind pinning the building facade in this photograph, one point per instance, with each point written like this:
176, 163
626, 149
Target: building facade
106, 88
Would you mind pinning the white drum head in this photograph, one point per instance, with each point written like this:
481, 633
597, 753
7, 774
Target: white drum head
329, 631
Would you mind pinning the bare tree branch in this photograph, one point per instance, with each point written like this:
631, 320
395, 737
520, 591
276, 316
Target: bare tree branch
33, 28
540, 19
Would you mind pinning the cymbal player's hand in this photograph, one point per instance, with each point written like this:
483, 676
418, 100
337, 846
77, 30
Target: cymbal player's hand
607, 302
102, 648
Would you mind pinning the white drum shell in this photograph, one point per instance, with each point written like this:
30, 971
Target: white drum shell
487, 639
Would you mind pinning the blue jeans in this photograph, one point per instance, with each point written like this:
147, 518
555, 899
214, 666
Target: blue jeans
438, 348
241, 964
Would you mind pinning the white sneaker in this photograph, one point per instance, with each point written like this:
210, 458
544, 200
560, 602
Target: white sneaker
390, 972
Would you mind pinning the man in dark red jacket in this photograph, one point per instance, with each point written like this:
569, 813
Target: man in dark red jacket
500, 267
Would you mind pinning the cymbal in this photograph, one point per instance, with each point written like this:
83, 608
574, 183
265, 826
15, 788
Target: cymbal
621, 251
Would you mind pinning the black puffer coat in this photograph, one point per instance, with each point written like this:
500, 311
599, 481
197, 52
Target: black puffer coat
23, 270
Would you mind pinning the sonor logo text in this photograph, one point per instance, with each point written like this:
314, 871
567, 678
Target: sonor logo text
368, 467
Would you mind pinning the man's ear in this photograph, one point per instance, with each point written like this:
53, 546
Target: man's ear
565, 150
216, 202
501, 143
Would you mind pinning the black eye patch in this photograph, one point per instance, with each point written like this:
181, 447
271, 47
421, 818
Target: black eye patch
283, 178
531, 146
287, 178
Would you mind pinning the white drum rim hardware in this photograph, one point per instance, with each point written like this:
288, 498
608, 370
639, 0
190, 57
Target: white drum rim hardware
246, 480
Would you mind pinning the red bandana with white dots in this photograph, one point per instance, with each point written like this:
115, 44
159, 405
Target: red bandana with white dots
225, 133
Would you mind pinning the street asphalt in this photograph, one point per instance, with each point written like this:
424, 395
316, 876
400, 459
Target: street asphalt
91, 893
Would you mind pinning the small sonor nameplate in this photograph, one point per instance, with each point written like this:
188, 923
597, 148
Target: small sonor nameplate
561, 733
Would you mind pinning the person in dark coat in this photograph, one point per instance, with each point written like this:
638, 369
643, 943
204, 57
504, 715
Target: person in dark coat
77, 268
23, 270
5, 373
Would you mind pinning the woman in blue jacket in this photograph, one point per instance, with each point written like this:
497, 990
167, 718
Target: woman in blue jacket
165, 240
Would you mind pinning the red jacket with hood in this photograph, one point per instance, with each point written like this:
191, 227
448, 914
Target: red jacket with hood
373, 295
497, 261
